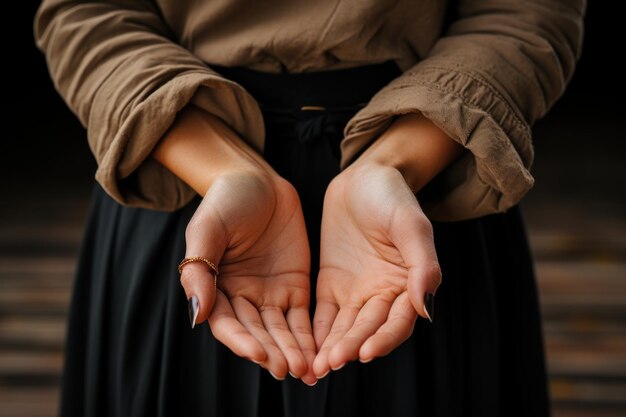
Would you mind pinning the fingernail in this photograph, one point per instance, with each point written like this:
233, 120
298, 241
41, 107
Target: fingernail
323, 376
339, 367
193, 307
292, 375
275, 377
366, 360
311, 385
429, 306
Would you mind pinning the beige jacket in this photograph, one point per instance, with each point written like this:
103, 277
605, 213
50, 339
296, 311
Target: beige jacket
125, 67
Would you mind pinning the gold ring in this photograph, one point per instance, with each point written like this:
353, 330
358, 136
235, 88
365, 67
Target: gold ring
210, 264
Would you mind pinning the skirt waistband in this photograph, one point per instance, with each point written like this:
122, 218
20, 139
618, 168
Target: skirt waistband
313, 91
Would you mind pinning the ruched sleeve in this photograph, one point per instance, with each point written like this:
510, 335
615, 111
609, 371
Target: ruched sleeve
116, 66
497, 69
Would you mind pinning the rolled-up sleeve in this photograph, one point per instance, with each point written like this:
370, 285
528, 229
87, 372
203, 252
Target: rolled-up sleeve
115, 65
499, 67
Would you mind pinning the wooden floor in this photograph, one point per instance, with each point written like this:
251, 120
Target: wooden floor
579, 244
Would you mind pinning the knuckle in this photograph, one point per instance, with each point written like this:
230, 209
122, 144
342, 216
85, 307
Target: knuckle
321, 323
278, 326
339, 329
349, 340
186, 276
300, 330
295, 350
256, 324
263, 308
309, 351
325, 350
433, 274
425, 227
363, 321
192, 228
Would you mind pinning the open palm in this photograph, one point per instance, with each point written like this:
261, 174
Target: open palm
377, 262
254, 228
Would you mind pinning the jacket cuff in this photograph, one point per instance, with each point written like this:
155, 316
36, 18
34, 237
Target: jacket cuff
126, 171
492, 177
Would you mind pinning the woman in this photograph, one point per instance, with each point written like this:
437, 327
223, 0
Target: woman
277, 147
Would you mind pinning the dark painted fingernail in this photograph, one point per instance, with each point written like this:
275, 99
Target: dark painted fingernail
192, 308
429, 306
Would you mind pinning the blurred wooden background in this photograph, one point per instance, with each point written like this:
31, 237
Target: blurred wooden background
576, 217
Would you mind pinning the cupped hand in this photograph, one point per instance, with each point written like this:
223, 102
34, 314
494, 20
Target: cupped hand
377, 263
252, 225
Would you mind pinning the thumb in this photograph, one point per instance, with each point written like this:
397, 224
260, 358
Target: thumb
422, 286
199, 283
412, 234
205, 245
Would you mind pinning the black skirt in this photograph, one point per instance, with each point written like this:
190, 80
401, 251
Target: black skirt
131, 352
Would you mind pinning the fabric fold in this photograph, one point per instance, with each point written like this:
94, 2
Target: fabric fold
498, 68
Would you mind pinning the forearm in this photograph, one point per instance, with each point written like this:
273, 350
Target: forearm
199, 147
416, 147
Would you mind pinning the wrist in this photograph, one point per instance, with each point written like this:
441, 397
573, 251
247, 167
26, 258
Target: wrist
415, 147
362, 172
199, 148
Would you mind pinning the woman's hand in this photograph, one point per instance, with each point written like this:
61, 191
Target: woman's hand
250, 223
253, 226
378, 261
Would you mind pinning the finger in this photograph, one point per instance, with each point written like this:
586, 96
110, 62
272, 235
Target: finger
397, 329
343, 323
249, 316
300, 325
204, 237
228, 330
276, 324
412, 233
422, 286
370, 318
325, 314
198, 281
